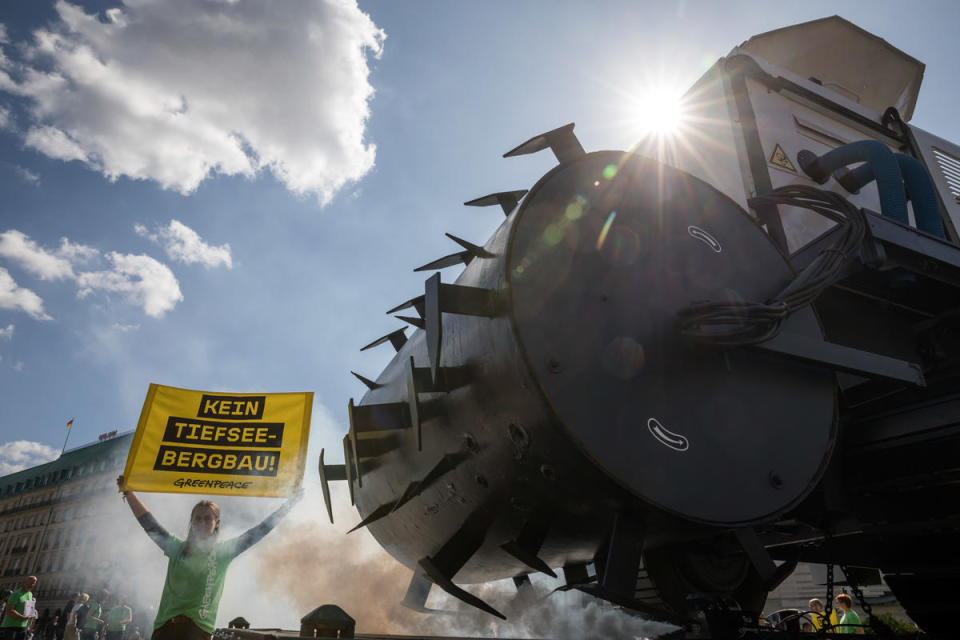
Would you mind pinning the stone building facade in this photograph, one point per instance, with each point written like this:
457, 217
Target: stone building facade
55, 521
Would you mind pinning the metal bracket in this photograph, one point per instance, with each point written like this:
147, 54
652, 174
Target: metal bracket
840, 358
348, 466
417, 593
442, 298
413, 400
352, 437
771, 575
623, 556
335, 472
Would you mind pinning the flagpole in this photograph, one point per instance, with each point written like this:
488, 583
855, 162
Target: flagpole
69, 426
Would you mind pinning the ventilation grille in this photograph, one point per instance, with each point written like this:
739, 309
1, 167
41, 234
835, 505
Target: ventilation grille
950, 168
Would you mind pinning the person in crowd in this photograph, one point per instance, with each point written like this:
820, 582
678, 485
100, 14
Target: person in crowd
819, 618
91, 617
19, 610
64, 614
197, 566
51, 631
118, 617
849, 620
70, 629
40, 626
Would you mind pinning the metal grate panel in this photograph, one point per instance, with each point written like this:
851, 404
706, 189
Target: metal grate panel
950, 169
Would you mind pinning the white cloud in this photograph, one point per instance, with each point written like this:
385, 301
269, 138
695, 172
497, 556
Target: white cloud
3, 34
23, 454
142, 280
27, 175
76, 253
125, 328
183, 244
18, 298
6, 334
178, 90
18, 247
18, 366
54, 143
4, 117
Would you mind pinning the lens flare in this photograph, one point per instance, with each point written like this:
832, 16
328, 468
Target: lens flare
605, 230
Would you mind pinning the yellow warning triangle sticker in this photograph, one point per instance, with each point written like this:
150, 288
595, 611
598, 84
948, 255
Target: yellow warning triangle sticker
781, 159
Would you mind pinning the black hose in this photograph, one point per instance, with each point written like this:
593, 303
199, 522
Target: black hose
747, 323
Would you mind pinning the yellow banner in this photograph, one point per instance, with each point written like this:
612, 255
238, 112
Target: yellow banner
249, 444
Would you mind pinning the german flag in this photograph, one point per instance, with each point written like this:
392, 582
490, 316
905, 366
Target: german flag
70, 424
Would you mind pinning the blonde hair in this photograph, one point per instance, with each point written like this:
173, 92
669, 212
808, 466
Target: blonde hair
84, 597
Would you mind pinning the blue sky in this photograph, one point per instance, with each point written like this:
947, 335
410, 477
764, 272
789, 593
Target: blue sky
244, 188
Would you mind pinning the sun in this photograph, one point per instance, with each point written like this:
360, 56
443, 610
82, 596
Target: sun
659, 111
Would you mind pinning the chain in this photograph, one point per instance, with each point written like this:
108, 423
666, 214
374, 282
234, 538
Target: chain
857, 591
828, 607
867, 609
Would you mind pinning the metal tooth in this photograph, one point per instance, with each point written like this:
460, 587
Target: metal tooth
417, 322
533, 561
397, 339
475, 250
367, 381
463, 257
445, 583
376, 514
447, 463
562, 141
506, 199
417, 303
466, 256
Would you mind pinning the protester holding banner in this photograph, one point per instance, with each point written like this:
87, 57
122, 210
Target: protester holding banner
19, 610
197, 566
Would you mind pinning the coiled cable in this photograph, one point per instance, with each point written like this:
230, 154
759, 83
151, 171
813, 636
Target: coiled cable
735, 323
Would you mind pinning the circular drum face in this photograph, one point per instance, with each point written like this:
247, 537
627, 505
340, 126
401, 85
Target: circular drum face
605, 251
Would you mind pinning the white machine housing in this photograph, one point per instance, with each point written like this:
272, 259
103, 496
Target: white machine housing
813, 86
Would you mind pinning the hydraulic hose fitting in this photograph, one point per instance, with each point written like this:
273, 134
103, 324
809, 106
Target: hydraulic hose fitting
893, 200
919, 190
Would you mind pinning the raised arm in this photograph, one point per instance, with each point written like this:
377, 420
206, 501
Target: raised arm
153, 528
253, 536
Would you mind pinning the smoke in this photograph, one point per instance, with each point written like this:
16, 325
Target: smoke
312, 563
307, 562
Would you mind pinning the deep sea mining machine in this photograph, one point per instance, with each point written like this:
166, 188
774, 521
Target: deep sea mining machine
675, 372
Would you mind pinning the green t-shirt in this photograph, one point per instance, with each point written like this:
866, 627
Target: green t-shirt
18, 599
849, 618
94, 611
194, 583
116, 614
